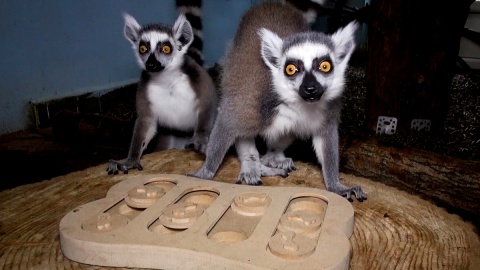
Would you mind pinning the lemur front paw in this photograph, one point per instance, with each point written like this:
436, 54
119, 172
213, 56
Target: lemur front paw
251, 171
202, 173
348, 192
278, 161
115, 166
250, 179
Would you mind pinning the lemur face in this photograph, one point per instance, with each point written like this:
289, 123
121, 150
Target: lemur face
308, 66
308, 69
157, 46
155, 50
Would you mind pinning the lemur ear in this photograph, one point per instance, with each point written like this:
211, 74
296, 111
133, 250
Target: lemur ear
271, 47
182, 31
344, 40
131, 28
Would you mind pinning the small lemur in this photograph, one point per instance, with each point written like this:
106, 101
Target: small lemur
280, 82
174, 91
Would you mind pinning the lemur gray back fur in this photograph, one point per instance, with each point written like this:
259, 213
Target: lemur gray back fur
246, 77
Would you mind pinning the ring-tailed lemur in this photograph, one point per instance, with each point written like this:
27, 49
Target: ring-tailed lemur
281, 81
174, 91
193, 11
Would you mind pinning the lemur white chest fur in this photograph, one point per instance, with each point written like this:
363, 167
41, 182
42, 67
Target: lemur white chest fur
172, 100
299, 118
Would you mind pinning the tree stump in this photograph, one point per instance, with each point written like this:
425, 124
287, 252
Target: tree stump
449, 182
393, 229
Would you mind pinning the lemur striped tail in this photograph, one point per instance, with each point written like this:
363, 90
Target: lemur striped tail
193, 11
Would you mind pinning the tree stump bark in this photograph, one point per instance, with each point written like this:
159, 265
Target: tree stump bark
449, 182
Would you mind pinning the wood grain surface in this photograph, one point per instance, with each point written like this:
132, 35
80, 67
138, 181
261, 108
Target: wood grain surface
393, 229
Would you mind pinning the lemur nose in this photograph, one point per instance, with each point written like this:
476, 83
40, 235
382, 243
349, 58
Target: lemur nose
152, 64
310, 90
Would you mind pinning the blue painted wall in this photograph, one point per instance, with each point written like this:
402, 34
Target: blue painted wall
52, 49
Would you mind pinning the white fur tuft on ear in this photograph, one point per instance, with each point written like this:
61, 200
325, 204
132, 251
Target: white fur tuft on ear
182, 32
271, 47
131, 28
344, 40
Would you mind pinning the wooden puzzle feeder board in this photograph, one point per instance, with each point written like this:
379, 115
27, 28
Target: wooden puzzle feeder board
172, 221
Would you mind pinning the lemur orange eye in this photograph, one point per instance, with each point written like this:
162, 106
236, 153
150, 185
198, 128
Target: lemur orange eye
291, 69
325, 66
166, 49
142, 49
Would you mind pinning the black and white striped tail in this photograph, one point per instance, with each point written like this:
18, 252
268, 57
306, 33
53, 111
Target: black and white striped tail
193, 11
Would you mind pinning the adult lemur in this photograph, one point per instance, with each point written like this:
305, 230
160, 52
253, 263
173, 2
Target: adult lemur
281, 81
174, 91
